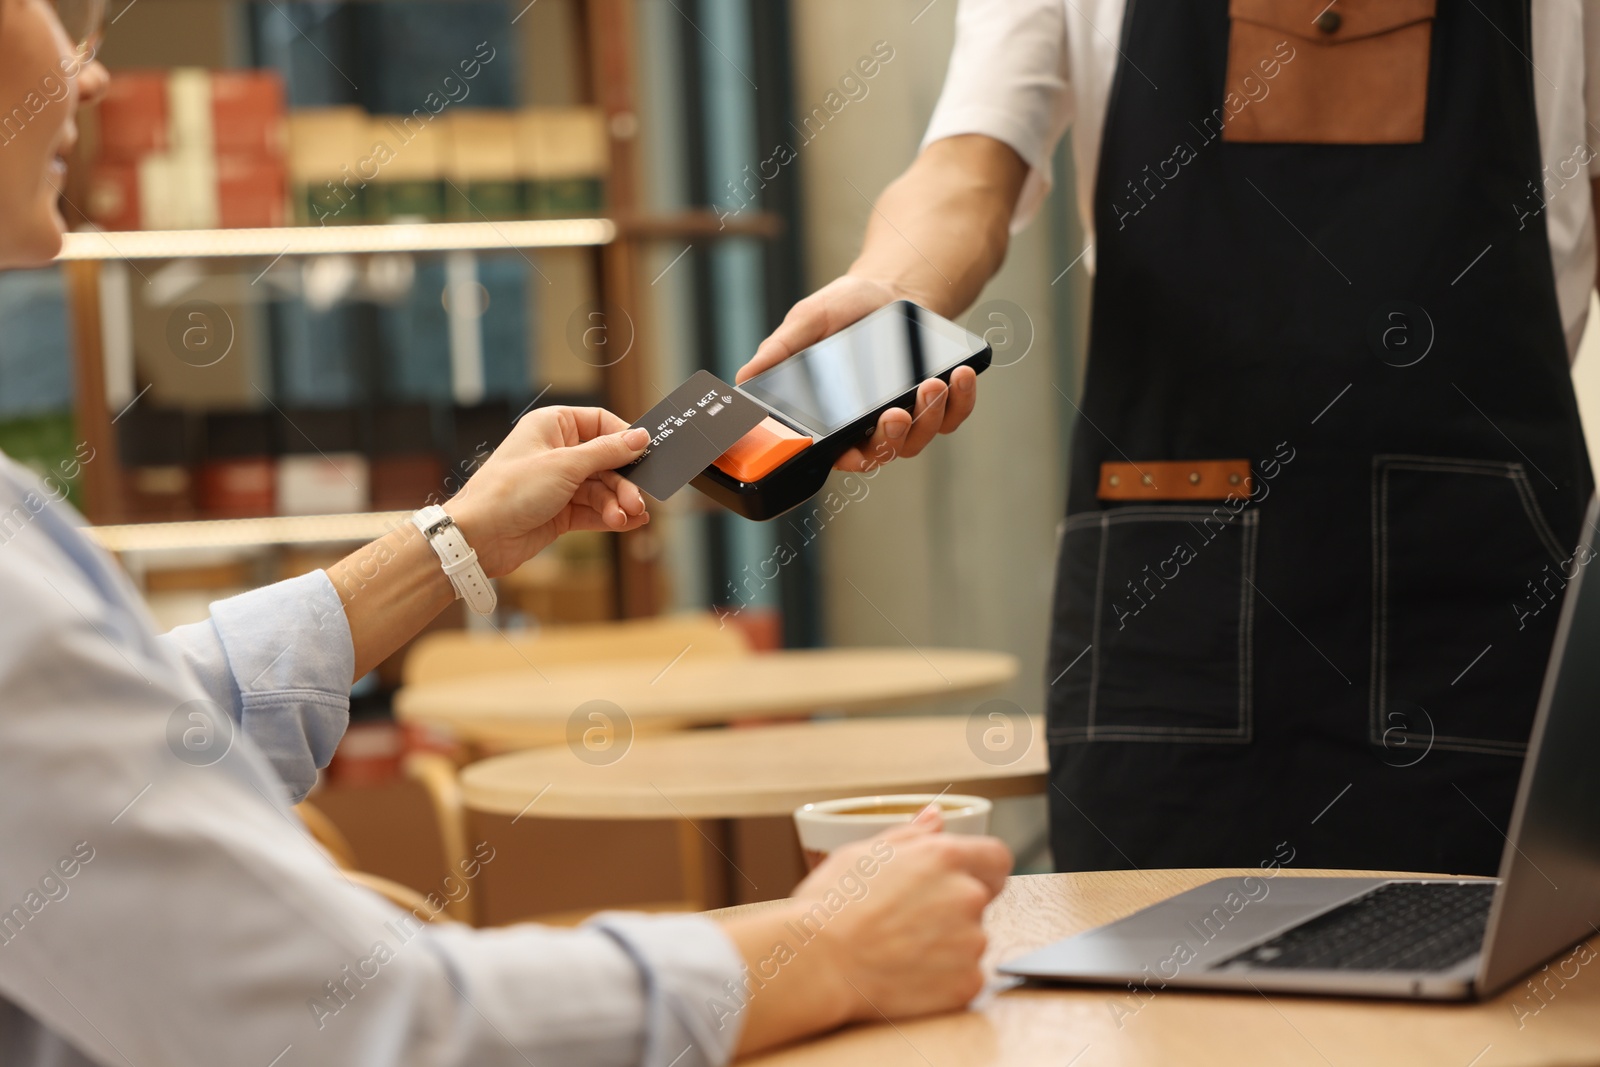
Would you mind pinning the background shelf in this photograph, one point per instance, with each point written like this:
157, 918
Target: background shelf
362, 239
334, 240
247, 533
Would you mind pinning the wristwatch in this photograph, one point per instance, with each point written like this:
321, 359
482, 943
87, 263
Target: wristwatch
459, 560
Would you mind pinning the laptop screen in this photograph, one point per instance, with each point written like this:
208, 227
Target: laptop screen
1550, 873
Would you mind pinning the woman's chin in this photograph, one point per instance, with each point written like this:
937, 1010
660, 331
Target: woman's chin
53, 235
36, 246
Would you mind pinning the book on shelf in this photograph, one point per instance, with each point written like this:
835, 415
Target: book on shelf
317, 353
189, 149
37, 428
408, 158
476, 431
414, 340
35, 348
572, 336
482, 165
405, 465
465, 165
238, 474
434, 55
326, 148
247, 112
47, 443
563, 157
436, 84
503, 325
199, 342
322, 468
157, 447
312, 46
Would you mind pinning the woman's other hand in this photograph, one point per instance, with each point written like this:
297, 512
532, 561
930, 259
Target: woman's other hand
910, 941
883, 929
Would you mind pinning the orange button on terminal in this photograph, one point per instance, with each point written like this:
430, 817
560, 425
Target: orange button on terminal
761, 451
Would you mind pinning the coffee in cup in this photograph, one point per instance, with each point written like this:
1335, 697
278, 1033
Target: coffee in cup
828, 824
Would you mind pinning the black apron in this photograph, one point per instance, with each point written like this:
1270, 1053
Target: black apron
1340, 668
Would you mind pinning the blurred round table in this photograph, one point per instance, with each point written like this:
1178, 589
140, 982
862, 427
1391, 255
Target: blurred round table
763, 770
516, 709
708, 777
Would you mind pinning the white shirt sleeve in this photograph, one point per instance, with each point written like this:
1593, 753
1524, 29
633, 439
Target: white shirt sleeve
160, 905
1008, 79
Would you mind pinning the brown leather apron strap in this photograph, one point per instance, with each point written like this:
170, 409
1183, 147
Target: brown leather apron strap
1190, 479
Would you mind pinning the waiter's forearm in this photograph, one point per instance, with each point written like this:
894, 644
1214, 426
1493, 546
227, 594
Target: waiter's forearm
940, 230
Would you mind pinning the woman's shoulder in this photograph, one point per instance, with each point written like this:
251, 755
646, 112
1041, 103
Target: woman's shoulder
42, 539
26, 495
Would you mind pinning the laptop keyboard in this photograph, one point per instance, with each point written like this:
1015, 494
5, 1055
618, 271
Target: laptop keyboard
1402, 926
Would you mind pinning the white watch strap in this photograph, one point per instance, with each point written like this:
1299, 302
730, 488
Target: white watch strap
460, 562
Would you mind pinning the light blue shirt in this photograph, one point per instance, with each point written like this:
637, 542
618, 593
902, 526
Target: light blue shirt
160, 905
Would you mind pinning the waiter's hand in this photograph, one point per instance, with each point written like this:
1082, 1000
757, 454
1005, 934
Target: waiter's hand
899, 433
935, 236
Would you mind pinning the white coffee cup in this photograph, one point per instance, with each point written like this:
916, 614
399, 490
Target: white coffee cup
828, 824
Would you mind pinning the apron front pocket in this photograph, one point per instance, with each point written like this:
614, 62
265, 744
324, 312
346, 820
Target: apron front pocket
1467, 580
1152, 635
1313, 72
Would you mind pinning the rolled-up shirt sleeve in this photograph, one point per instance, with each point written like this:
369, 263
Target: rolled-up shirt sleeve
688, 986
1008, 79
278, 660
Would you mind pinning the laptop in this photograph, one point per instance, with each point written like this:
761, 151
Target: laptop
1431, 938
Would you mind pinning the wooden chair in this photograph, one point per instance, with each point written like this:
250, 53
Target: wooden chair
401, 896
436, 774
326, 834
334, 843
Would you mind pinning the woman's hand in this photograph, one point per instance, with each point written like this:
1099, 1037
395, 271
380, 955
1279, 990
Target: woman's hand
555, 472
911, 942
885, 928
844, 300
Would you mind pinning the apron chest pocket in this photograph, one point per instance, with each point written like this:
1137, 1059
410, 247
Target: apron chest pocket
1313, 72
1468, 578
1152, 634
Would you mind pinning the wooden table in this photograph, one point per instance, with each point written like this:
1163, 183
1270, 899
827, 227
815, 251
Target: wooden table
520, 708
747, 773
1054, 1026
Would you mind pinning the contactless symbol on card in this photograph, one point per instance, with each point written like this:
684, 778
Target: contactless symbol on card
698, 422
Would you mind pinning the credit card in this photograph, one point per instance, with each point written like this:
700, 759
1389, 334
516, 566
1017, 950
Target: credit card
696, 423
